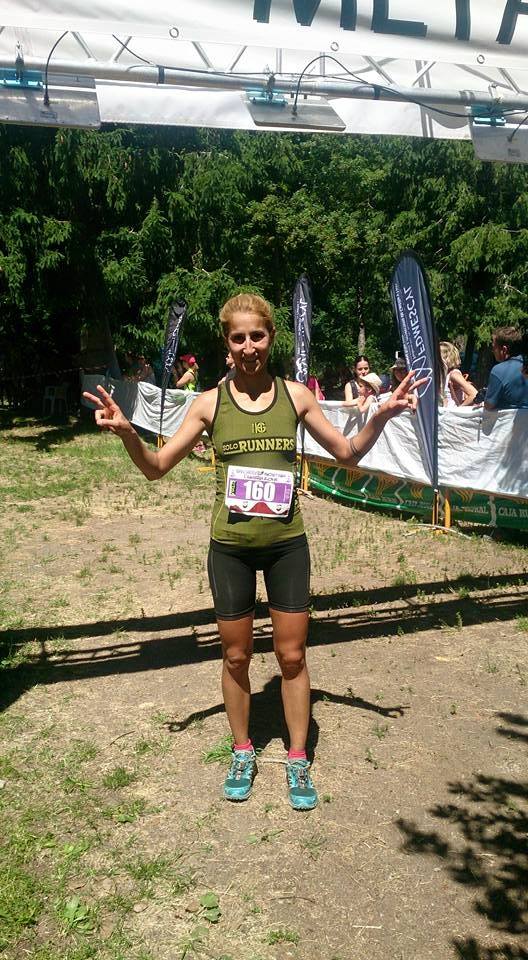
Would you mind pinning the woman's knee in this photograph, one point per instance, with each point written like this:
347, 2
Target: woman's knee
237, 659
291, 661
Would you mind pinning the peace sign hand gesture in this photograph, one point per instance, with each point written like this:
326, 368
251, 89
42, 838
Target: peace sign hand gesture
108, 415
403, 397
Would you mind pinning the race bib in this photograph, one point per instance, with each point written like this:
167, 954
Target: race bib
259, 493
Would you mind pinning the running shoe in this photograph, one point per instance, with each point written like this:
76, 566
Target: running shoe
301, 791
239, 781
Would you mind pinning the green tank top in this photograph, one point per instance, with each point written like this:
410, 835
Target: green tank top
266, 440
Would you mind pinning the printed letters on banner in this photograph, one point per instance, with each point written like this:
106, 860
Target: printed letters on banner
302, 319
410, 299
485, 32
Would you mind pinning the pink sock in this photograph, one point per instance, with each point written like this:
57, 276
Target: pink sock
297, 755
243, 746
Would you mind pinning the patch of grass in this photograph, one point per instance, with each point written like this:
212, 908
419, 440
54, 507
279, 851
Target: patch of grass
21, 903
491, 665
149, 869
370, 758
125, 812
118, 778
182, 882
282, 935
76, 916
141, 747
220, 752
265, 837
380, 730
192, 942
522, 624
314, 845
80, 752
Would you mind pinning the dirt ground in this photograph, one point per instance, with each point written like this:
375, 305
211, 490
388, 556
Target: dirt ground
418, 661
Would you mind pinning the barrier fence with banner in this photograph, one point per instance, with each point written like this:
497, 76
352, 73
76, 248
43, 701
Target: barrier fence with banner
483, 456
406, 496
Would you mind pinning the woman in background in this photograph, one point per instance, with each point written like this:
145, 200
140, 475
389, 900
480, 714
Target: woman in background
360, 369
458, 392
187, 377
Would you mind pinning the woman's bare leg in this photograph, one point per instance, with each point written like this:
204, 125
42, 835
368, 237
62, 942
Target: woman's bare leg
237, 647
290, 631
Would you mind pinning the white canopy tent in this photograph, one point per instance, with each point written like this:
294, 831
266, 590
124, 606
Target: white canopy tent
454, 70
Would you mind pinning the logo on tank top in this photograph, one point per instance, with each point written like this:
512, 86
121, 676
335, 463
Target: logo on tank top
259, 445
259, 427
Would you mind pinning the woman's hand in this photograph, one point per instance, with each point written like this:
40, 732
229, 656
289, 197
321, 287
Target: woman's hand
403, 397
108, 415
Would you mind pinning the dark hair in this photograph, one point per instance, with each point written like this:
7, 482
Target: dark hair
510, 337
359, 359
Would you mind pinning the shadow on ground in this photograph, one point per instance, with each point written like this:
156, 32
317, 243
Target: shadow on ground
488, 853
267, 718
345, 620
46, 433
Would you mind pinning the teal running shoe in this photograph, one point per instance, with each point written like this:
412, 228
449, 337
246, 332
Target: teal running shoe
239, 781
301, 791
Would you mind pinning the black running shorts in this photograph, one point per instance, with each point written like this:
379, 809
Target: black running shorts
232, 576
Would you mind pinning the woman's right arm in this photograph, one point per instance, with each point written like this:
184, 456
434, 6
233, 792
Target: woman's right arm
469, 391
348, 392
187, 377
154, 464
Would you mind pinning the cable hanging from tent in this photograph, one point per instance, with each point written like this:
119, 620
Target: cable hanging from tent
517, 128
271, 76
54, 47
376, 87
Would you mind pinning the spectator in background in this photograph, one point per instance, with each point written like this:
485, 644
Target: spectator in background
144, 371
398, 372
360, 369
458, 392
137, 368
186, 374
369, 387
507, 386
313, 384
230, 364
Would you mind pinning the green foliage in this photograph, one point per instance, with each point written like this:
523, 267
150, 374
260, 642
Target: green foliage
101, 230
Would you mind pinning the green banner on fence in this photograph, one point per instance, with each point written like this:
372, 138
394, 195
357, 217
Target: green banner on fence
392, 493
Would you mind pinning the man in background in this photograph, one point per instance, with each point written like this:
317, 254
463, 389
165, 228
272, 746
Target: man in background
507, 387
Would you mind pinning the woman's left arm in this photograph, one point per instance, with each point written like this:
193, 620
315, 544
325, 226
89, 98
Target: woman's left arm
350, 451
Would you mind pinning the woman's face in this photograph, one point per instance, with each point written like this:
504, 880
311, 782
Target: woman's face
399, 373
362, 367
249, 342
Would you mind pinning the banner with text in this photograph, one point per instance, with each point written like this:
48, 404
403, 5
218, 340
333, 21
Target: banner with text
404, 496
177, 314
302, 324
476, 32
414, 316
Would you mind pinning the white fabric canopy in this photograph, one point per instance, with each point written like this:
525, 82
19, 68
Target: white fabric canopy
478, 450
494, 32
473, 51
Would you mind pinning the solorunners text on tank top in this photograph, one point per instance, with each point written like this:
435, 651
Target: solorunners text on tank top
260, 444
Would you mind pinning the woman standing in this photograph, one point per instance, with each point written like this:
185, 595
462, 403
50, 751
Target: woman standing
360, 369
256, 523
186, 378
458, 392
